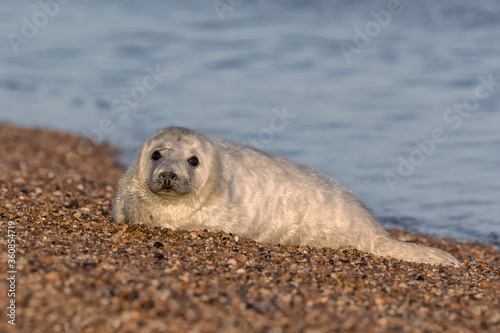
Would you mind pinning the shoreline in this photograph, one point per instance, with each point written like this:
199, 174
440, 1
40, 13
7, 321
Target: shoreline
76, 270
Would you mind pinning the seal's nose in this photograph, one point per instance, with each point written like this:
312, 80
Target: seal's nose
168, 175
168, 178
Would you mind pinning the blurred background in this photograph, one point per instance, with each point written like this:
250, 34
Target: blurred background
398, 100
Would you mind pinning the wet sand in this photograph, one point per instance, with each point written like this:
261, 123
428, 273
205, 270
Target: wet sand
79, 272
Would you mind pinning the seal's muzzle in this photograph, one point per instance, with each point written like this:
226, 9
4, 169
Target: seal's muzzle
167, 178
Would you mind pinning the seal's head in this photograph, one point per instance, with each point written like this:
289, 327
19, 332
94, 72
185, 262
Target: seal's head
176, 161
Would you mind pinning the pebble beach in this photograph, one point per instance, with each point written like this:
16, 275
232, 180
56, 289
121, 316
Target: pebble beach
77, 271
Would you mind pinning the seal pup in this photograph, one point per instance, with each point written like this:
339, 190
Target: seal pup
182, 179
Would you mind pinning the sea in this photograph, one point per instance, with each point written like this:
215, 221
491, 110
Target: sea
399, 100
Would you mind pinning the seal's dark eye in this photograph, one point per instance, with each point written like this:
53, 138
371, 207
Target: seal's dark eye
156, 155
193, 160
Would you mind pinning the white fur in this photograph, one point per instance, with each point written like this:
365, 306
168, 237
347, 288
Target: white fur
250, 193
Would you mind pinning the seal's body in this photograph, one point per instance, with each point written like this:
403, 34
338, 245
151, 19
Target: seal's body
182, 179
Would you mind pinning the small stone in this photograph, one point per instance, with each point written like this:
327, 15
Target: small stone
133, 295
158, 245
159, 256
149, 304
19, 180
73, 204
89, 265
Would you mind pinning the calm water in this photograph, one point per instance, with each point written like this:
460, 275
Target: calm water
356, 90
